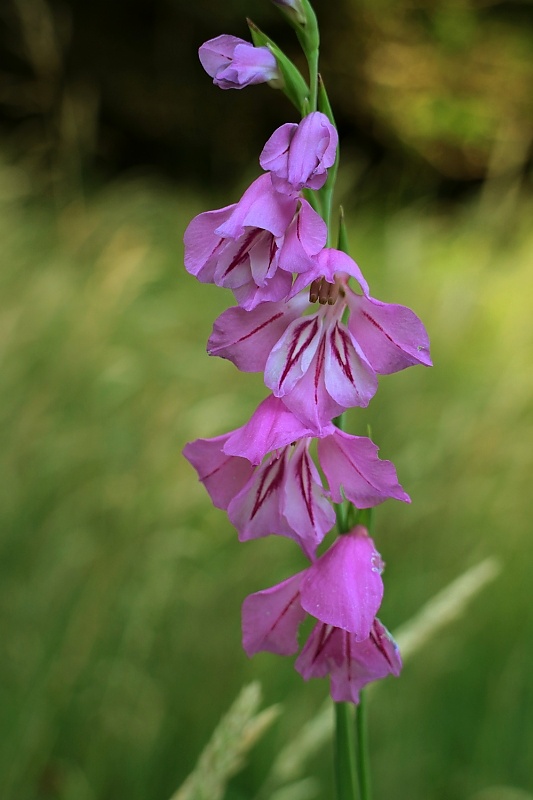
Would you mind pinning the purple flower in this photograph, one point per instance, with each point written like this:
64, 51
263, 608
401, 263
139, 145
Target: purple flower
342, 590
234, 63
262, 474
317, 363
253, 247
299, 155
350, 664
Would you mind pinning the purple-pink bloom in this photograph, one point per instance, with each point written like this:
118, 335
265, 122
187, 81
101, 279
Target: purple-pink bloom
343, 590
354, 471
234, 63
317, 363
253, 247
351, 664
263, 475
299, 155
284, 496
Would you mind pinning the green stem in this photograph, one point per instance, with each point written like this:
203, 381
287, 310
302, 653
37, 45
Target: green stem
312, 60
345, 769
363, 761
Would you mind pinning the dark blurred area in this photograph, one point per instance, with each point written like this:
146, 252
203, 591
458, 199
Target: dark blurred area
430, 96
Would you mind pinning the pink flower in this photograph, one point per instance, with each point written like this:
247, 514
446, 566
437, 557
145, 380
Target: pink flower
317, 363
351, 664
283, 493
299, 155
234, 63
342, 590
253, 247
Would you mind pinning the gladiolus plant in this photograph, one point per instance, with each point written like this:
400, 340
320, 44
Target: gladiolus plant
305, 318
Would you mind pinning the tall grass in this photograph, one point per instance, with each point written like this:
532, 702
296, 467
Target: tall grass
121, 586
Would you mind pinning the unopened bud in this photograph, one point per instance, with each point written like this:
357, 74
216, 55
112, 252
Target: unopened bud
294, 9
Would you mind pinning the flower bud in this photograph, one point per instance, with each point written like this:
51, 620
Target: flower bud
299, 155
293, 8
234, 63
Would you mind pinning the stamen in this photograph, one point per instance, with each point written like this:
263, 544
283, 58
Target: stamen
326, 293
313, 290
333, 295
323, 294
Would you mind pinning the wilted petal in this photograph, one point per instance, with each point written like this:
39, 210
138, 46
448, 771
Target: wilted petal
343, 587
247, 337
270, 619
391, 336
271, 426
352, 463
223, 476
304, 503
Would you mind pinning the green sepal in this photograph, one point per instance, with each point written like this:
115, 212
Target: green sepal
307, 33
323, 101
294, 84
326, 193
360, 516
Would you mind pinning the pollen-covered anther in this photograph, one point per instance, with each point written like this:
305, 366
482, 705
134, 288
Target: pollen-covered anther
326, 293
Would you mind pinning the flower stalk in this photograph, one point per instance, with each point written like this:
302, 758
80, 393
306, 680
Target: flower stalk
363, 760
345, 750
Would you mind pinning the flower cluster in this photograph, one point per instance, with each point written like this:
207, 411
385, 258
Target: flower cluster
290, 465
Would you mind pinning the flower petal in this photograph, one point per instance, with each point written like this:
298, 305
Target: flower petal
272, 425
259, 207
350, 664
343, 587
309, 399
274, 154
247, 337
223, 476
256, 510
202, 244
292, 354
304, 502
391, 336
351, 463
304, 238
349, 378
270, 618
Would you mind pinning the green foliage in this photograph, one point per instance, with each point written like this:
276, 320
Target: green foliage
121, 586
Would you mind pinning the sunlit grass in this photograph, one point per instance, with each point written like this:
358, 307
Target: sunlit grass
121, 586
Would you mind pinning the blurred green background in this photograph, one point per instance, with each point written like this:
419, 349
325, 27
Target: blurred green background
120, 585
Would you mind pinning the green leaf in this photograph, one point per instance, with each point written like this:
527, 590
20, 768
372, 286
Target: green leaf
294, 85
